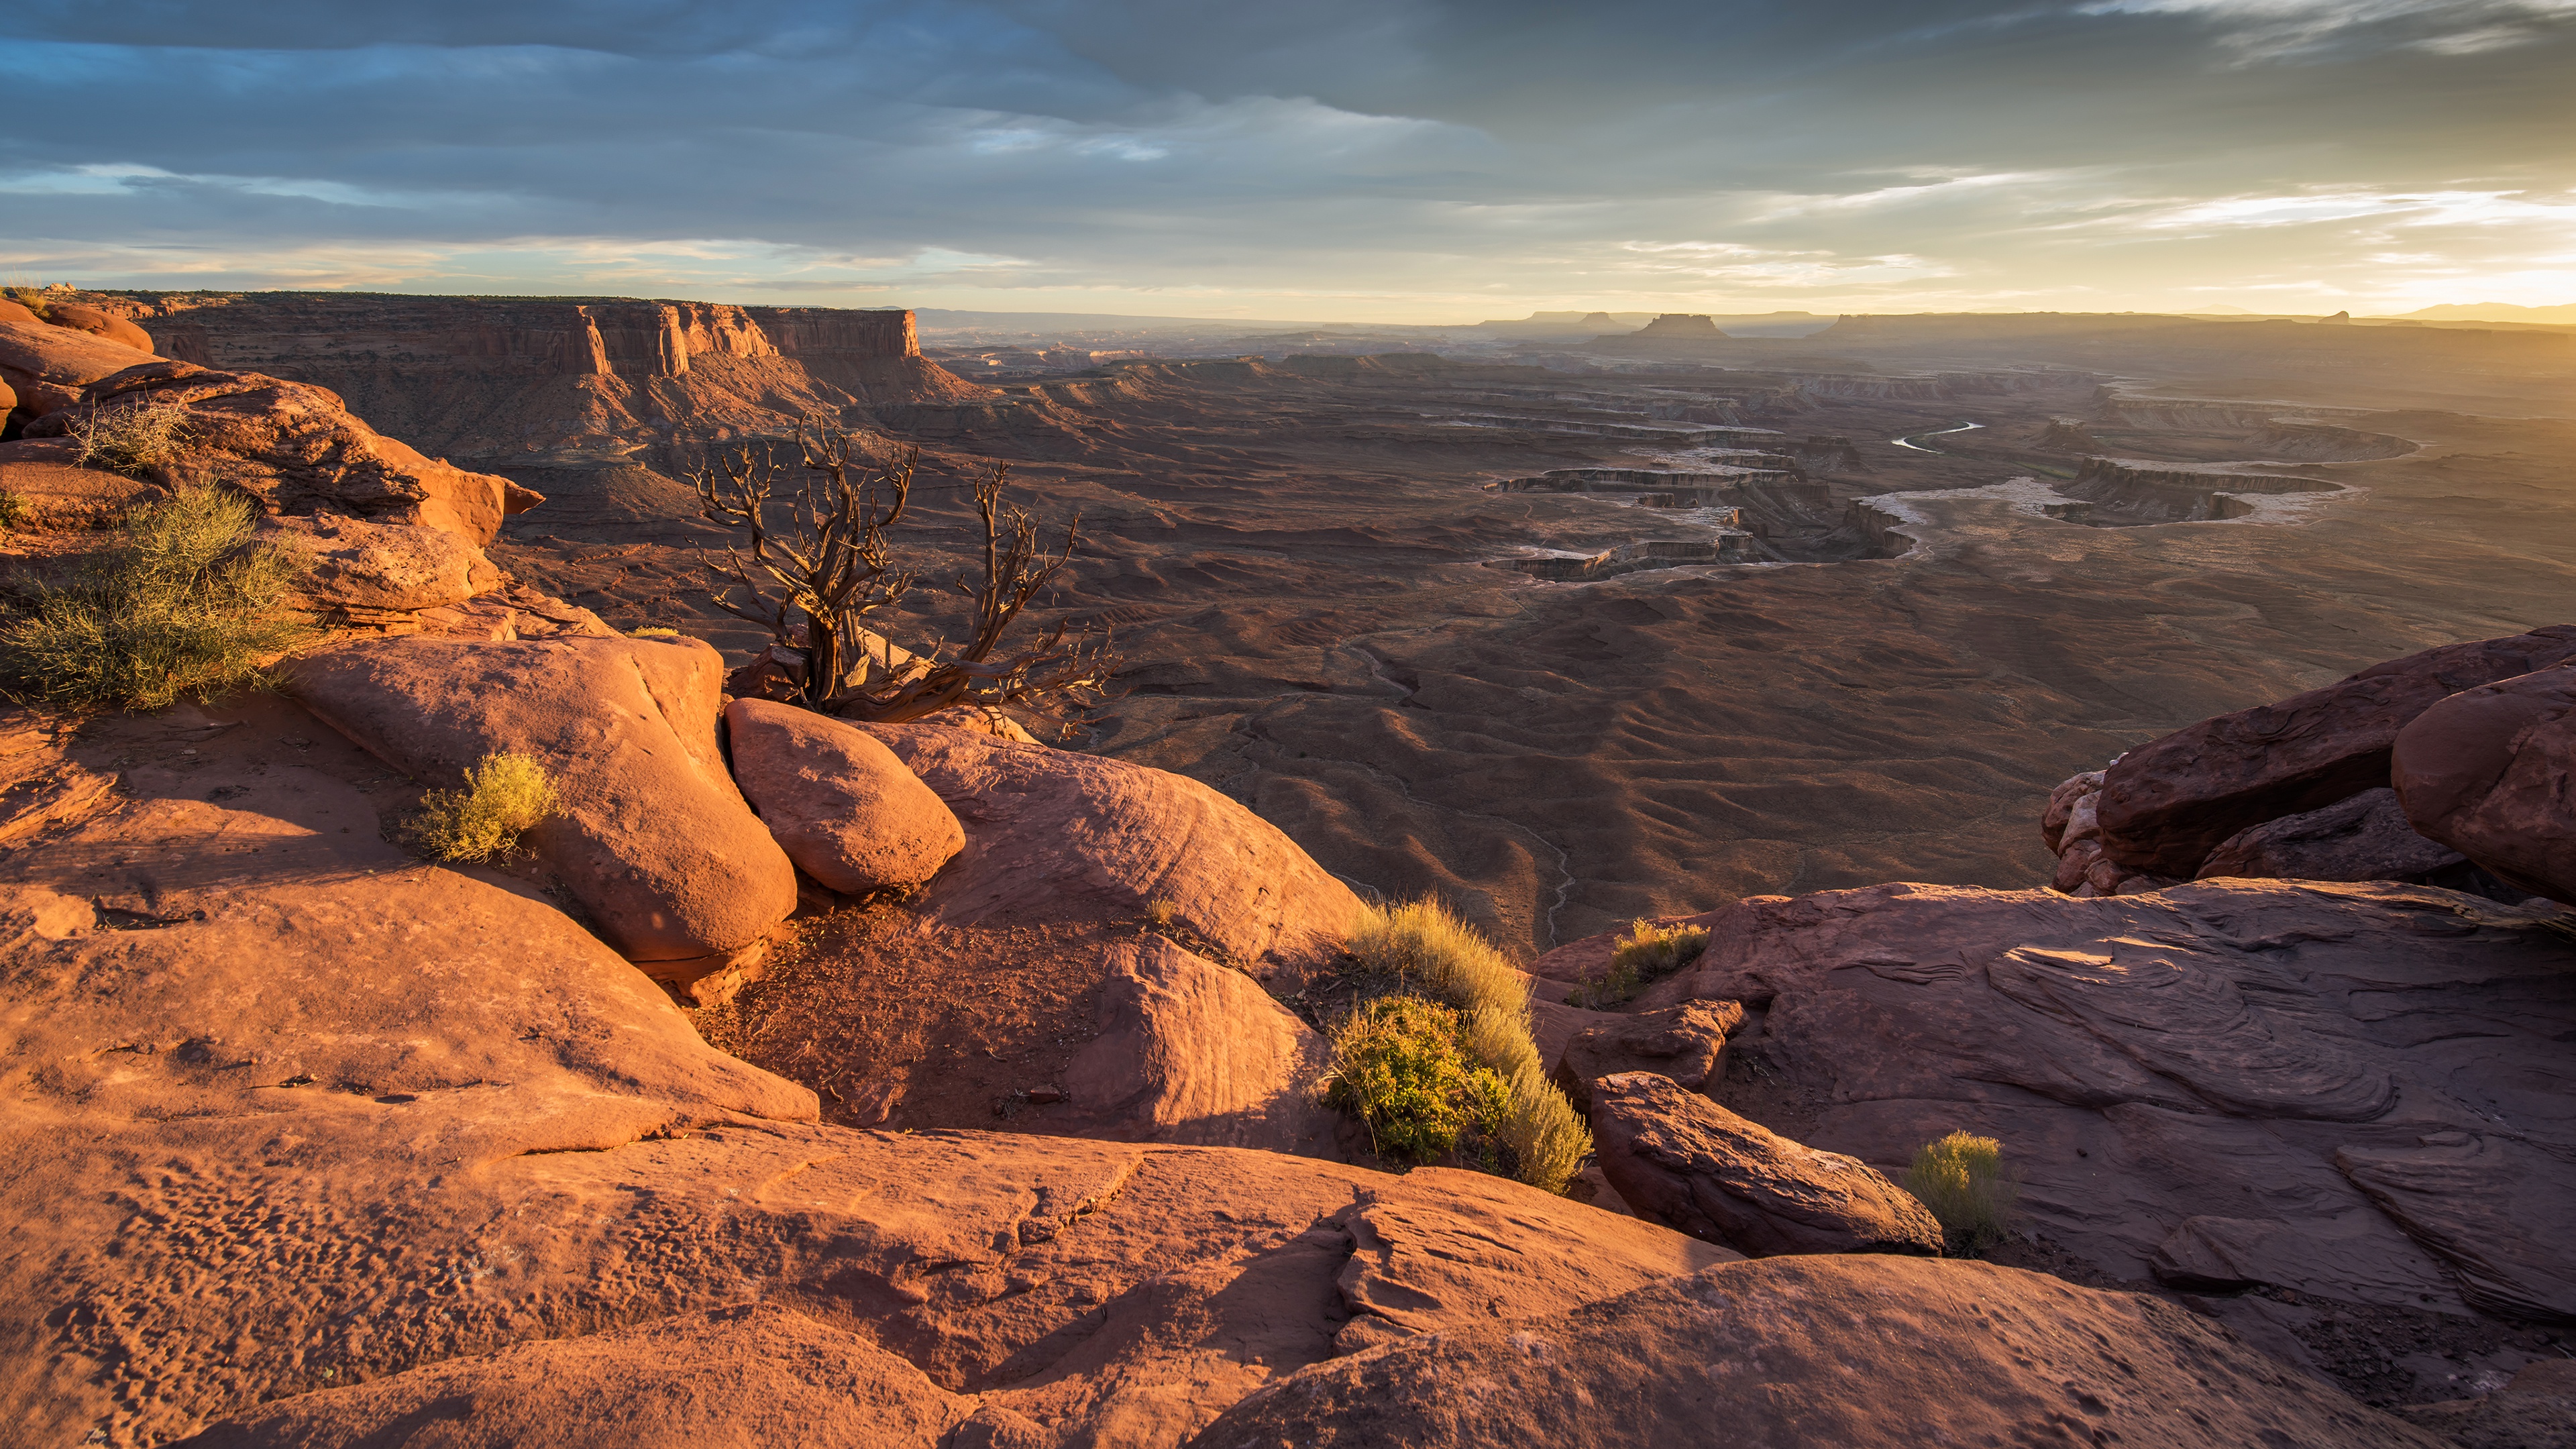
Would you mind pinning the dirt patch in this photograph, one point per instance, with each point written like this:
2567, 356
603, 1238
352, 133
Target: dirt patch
897, 1021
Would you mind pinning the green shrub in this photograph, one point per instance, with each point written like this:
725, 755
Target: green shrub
182, 602
13, 509
133, 439
504, 797
1647, 953
1961, 1179
1419, 948
1398, 1068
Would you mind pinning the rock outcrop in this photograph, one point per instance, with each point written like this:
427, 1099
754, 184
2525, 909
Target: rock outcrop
48, 368
837, 800
2359, 1080
1190, 1052
380, 572
652, 837
1050, 831
2166, 804
298, 449
1682, 1043
2486, 772
2362, 837
1859, 1353
1682, 1160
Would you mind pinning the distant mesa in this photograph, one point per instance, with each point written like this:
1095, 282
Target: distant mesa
1597, 319
1682, 327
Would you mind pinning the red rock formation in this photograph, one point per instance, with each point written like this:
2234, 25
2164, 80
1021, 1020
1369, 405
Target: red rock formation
535, 379
2166, 804
2486, 773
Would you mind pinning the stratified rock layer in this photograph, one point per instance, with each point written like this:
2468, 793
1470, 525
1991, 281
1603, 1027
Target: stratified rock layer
2365, 837
652, 836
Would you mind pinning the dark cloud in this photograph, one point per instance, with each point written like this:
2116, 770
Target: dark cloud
1331, 159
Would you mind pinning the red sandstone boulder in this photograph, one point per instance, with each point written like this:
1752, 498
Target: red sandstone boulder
2365, 837
49, 367
837, 800
297, 448
55, 492
1682, 1043
1788, 1353
17, 312
99, 324
2166, 804
1049, 830
1191, 1052
1681, 1159
2486, 773
652, 836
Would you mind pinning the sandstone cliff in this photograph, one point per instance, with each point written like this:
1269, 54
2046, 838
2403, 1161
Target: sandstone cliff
543, 381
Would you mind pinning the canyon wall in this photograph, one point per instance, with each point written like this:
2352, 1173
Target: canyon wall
559, 382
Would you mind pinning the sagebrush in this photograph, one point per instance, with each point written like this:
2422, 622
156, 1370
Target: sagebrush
1646, 954
1397, 1067
132, 439
505, 796
1961, 1178
182, 601
1418, 948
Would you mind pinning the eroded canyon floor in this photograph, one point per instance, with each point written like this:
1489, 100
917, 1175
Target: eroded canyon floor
1300, 563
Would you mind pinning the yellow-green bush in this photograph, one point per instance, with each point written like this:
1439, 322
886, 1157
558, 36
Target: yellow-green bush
1961, 1179
1417, 948
504, 796
1647, 953
132, 439
181, 602
1398, 1068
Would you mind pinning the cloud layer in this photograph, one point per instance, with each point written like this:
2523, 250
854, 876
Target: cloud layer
1326, 159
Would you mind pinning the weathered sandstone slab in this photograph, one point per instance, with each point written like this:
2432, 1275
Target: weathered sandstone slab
1681, 1042
1051, 830
363, 567
2485, 772
1682, 1160
2166, 804
652, 836
1863, 1353
99, 324
837, 800
2291, 1053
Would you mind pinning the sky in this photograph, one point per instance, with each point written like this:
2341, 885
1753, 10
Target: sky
1396, 161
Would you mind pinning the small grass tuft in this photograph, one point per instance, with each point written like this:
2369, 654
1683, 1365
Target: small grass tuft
13, 511
504, 797
656, 632
132, 439
1418, 951
1647, 953
182, 602
1961, 1179
1160, 913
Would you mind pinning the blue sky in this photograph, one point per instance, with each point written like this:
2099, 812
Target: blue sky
1395, 160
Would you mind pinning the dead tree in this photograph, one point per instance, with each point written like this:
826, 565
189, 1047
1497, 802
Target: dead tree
812, 588
833, 566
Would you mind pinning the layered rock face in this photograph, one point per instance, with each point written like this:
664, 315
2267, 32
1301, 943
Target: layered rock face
2486, 772
541, 381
